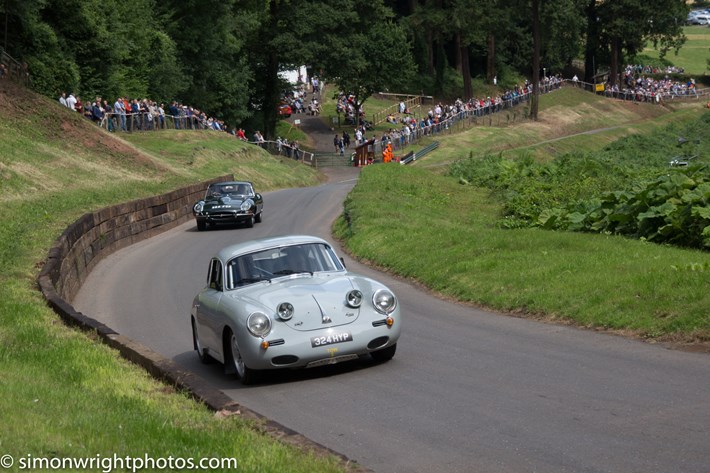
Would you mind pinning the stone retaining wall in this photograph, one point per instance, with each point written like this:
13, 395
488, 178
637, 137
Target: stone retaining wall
98, 234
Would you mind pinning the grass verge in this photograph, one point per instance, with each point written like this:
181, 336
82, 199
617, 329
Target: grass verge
442, 234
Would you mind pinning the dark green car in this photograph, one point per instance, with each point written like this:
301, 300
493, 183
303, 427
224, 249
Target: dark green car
229, 203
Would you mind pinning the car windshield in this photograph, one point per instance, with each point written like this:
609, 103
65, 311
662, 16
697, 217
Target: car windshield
278, 262
236, 189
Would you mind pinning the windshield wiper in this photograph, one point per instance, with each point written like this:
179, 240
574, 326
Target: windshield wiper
250, 280
285, 272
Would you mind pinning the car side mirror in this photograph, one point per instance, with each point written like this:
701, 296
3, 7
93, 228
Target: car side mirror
342, 261
257, 196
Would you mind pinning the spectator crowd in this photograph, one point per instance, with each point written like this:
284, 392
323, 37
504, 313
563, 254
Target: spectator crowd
638, 84
408, 128
126, 114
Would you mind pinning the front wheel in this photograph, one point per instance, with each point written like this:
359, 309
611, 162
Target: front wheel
234, 356
257, 219
250, 221
385, 354
201, 225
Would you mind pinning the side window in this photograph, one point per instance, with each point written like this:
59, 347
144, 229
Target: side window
215, 275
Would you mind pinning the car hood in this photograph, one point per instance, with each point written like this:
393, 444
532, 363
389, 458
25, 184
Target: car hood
225, 202
318, 300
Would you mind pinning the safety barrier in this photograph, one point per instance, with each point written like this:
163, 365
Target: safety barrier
289, 151
145, 121
14, 69
634, 96
414, 155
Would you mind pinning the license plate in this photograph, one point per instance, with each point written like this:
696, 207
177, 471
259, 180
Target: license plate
324, 340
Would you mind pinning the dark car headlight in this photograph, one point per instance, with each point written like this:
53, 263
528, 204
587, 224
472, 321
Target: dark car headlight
246, 205
354, 298
384, 301
259, 324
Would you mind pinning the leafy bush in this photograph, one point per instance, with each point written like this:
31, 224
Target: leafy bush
674, 208
627, 188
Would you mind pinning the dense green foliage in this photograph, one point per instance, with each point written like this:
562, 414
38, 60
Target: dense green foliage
617, 190
224, 57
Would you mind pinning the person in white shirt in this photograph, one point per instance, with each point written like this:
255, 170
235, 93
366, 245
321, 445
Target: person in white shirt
71, 102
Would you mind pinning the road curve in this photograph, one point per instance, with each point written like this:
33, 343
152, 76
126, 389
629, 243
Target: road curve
468, 391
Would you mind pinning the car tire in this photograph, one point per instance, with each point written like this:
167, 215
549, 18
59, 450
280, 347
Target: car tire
257, 219
385, 354
245, 374
250, 222
202, 355
201, 225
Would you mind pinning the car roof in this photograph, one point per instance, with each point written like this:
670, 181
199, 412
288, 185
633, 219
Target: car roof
251, 246
226, 183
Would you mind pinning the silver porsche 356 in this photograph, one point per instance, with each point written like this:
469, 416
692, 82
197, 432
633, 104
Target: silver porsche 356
289, 302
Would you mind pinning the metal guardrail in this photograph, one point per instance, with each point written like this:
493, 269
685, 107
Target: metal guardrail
634, 96
414, 155
14, 69
288, 151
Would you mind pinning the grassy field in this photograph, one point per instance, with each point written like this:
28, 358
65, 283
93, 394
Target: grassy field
693, 55
443, 235
63, 393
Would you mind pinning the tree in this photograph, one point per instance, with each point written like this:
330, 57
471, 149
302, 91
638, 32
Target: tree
625, 26
371, 55
536, 59
210, 43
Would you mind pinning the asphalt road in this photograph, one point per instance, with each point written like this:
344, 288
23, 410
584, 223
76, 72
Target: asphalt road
467, 391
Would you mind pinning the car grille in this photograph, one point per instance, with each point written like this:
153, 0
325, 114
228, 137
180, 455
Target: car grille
331, 361
223, 215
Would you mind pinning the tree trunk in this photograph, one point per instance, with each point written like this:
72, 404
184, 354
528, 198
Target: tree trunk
535, 59
430, 52
491, 59
457, 57
614, 66
271, 80
466, 72
592, 41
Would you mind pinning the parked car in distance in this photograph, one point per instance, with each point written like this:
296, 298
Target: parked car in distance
699, 19
229, 202
289, 302
285, 110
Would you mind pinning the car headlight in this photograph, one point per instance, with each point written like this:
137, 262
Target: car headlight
354, 298
246, 205
259, 324
285, 310
198, 207
384, 301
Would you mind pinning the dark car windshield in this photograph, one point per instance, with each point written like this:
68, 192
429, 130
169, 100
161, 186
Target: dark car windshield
236, 189
273, 263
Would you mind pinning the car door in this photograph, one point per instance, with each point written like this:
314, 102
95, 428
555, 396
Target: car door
208, 316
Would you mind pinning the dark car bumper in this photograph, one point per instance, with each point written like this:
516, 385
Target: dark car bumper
216, 218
